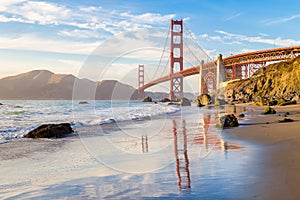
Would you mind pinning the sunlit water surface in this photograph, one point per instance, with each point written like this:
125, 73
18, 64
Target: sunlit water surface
168, 154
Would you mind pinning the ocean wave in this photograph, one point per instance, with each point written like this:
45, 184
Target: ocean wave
20, 123
133, 113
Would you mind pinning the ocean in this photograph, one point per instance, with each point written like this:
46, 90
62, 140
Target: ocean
19, 117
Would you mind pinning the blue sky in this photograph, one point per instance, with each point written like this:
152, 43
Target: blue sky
59, 35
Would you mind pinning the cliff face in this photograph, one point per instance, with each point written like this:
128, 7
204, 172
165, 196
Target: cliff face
45, 85
276, 81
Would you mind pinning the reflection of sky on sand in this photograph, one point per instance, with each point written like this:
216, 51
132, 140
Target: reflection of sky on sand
179, 141
188, 158
153, 146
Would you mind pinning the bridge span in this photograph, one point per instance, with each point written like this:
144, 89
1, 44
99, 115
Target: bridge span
235, 66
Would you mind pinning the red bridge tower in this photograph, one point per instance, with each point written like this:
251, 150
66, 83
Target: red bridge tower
176, 59
141, 82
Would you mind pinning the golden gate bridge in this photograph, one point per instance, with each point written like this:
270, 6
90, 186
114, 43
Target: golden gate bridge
213, 72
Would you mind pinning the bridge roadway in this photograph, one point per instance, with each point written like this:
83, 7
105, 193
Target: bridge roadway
277, 54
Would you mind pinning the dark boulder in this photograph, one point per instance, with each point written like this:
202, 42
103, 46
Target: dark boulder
83, 102
50, 131
285, 120
281, 101
241, 115
165, 100
147, 99
273, 103
185, 102
228, 121
268, 110
203, 100
172, 103
1, 104
288, 103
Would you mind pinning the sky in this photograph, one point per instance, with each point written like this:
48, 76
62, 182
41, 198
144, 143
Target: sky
107, 39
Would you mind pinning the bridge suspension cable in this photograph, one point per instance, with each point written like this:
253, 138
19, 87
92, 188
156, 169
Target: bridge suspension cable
166, 67
187, 46
194, 39
162, 55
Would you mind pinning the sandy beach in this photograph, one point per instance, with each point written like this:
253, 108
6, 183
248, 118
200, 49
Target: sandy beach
264, 165
277, 148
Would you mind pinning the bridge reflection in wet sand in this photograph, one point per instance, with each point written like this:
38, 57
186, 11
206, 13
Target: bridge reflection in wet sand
207, 138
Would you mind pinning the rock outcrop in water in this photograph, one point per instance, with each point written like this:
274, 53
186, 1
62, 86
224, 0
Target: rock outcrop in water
228, 121
83, 102
147, 99
185, 102
268, 110
50, 131
203, 100
276, 81
163, 100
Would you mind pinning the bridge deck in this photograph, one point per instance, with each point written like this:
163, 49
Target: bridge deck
254, 57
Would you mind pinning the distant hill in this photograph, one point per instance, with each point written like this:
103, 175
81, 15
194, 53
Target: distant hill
279, 80
45, 85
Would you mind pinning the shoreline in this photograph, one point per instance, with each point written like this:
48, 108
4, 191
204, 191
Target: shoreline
277, 150
265, 167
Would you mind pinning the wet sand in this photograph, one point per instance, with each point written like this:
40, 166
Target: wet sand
266, 167
277, 161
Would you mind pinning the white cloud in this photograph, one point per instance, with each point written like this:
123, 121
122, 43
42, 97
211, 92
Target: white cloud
5, 4
245, 50
148, 18
231, 38
12, 19
212, 53
281, 20
93, 18
204, 35
89, 9
264, 34
233, 17
78, 33
141, 44
220, 38
29, 42
41, 12
258, 39
72, 63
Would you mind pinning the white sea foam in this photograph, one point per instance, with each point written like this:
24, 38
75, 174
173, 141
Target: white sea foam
17, 118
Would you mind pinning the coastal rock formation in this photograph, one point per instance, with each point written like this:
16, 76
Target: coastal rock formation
285, 120
1, 104
185, 102
228, 121
83, 102
147, 99
50, 131
219, 102
242, 115
268, 110
203, 100
274, 82
163, 100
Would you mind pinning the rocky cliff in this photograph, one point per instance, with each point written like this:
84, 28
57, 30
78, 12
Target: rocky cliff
274, 82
